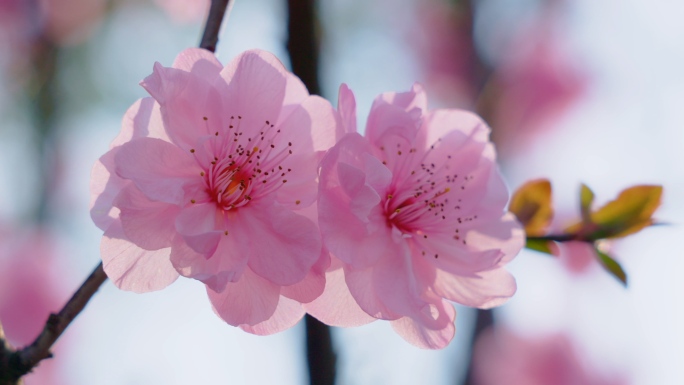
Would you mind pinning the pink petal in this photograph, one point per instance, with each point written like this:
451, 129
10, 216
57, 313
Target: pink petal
307, 130
441, 123
105, 185
186, 99
483, 290
223, 267
312, 286
142, 119
256, 88
201, 226
445, 253
349, 215
361, 286
346, 106
417, 334
413, 101
199, 62
336, 306
251, 300
132, 268
158, 168
287, 314
386, 119
504, 234
148, 224
295, 90
284, 245
301, 189
396, 283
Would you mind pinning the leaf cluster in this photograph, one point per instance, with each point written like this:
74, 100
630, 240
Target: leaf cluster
627, 214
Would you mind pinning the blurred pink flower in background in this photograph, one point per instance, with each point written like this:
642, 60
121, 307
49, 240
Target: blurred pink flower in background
444, 47
30, 289
60, 21
69, 22
531, 83
532, 86
185, 11
215, 178
415, 212
501, 357
577, 256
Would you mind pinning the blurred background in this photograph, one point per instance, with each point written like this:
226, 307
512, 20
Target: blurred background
575, 90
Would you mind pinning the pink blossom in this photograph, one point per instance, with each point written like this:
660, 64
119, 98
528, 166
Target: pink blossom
185, 11
215, 178
536, 84
577, 256
443, 44
500, 357
414, 210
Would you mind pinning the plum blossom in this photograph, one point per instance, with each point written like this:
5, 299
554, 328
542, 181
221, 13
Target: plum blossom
501, 357
414, 211
214, 177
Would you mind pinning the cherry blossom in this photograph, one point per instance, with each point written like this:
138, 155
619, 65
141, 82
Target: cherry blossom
414, 210
215, 178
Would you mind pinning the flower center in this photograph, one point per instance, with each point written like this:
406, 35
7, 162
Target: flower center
425, 198
242, 164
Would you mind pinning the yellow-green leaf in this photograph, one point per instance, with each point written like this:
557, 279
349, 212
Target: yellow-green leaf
586, 199
531, 204
612, 266
630, 212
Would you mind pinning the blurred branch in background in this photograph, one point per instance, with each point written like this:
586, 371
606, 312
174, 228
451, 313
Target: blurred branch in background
42, 91
484, 321
303, 47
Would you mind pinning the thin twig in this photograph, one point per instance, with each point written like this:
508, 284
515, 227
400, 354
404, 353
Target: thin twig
558, 238
23, 361
217, 11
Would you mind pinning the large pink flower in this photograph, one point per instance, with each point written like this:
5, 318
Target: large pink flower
414, 210
214, 178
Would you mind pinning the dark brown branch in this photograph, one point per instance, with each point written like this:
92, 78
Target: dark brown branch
302, 42
23, 361
217, 11
320, 355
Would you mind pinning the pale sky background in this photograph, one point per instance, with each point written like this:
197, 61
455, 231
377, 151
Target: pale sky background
628, 129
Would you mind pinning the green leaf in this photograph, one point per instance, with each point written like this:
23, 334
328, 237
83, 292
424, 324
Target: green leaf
531, 204
612, 266
543, 246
